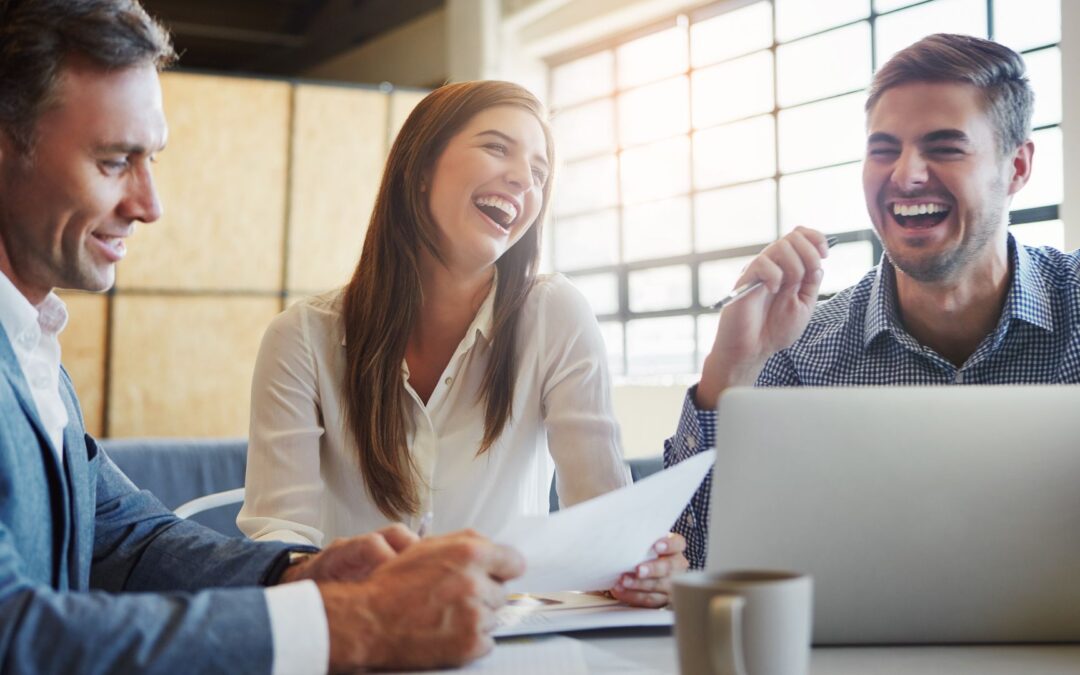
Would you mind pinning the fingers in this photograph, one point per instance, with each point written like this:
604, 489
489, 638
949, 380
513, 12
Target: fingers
640, 598
490, 593
811, 248
649, 585
482, 646
368, 551
502, 562
670, 543
468, 549
792, 262
398, 537
661, 567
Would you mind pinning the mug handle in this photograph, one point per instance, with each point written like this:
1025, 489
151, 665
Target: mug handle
725, 622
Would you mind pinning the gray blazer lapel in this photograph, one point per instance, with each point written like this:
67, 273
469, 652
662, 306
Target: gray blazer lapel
80, 479
10, 367
58, 492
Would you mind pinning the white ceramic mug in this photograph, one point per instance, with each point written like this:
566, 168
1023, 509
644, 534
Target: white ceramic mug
751, 622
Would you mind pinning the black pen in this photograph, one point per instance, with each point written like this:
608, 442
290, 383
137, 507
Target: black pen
745, 289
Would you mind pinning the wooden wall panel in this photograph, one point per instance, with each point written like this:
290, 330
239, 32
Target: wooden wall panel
245, 157
82, 346
182, 366
222, 182
339, 146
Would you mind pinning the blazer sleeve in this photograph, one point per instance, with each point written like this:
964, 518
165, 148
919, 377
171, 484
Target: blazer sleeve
211, 616
47, 631
140, 545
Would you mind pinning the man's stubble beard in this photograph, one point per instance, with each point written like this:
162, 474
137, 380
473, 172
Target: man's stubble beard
934, 268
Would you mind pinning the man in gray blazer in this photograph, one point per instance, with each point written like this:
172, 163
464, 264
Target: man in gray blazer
95, 575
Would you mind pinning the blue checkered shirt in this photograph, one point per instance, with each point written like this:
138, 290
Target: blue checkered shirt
857, 338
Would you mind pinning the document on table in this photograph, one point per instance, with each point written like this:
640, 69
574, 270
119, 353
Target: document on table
565, 620
542, 656
587, 546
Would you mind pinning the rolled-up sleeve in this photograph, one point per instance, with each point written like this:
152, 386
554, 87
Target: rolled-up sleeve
696, 432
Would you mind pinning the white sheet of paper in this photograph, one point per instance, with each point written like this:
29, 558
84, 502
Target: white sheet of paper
587, 546
541, 656
544, 620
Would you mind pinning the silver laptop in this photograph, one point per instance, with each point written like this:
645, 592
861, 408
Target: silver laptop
924, 515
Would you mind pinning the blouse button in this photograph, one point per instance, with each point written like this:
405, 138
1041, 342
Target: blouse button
449, 381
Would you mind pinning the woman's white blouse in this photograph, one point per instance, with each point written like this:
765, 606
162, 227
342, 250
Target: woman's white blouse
303, 479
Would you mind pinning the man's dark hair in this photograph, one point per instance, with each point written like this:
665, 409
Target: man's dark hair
36, 36
997, 71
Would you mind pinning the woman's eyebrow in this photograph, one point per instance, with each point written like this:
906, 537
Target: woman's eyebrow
540, 159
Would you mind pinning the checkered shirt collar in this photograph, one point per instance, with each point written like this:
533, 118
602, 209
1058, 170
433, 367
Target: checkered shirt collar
1027, 299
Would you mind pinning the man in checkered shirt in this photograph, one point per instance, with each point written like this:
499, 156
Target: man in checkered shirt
954, 300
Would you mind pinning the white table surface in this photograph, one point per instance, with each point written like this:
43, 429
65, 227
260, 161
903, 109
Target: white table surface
652, 652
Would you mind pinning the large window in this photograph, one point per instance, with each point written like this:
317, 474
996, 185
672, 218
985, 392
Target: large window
689, 146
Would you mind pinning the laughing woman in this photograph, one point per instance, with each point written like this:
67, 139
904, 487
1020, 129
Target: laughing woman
446, 377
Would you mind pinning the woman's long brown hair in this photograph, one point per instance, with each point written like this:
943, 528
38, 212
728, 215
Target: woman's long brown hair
383, 299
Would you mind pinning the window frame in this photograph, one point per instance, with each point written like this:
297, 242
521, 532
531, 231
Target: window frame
622, 269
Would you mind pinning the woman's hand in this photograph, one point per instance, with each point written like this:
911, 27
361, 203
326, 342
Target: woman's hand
649, 584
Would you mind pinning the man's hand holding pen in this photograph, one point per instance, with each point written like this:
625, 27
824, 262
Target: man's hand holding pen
768, 318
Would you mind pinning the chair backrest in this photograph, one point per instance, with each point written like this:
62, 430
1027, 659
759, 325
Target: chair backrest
177, 470
639, 468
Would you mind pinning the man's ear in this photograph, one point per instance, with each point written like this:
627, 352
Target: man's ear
1020, 165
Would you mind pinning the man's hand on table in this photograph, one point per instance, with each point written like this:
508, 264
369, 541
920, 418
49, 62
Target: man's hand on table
354, 558
430, 603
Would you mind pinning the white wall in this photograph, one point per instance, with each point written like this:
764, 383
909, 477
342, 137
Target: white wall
647, 415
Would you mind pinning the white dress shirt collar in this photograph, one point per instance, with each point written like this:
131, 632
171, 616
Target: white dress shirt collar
303, 477
482, 323
34, 335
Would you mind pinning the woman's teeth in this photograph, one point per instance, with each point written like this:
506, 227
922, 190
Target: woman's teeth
498, 209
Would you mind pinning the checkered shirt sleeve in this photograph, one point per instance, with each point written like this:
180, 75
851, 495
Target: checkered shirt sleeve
696, 432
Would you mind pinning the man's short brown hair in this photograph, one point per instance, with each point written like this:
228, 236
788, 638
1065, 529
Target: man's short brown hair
37, 35
997, 71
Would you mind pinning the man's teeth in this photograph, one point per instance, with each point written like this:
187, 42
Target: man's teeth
506, 213
115, 243
928, 208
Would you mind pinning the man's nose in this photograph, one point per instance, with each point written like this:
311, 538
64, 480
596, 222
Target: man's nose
910, 170
142, 202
